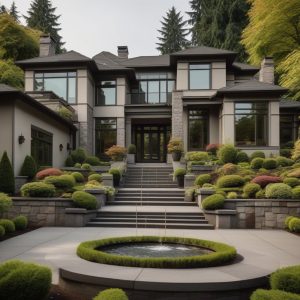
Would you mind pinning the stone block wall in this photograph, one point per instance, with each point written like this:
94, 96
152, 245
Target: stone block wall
177, 115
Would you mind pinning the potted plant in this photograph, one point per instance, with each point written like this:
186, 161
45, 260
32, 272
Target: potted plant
175, 147
116, 176
116, 152
179, 175
110, 192
131, 151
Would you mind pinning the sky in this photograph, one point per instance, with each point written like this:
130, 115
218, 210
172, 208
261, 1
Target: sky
92, 26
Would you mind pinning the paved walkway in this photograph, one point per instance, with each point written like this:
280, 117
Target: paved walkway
51, 246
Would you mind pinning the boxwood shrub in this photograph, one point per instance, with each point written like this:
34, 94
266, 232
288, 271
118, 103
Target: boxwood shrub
257, 154
111, 294
86, 166
227, 154
7, 178
78, 176
116, 176
38, 189
48, 172
20, 222
230, 181
242, 157
264, 180
78, 155
213, 202
279, 191
91, 251
257, 163
269, 163
24, 281
228, 169
294, 173
296, 192
291, 181
5, 203
8, 225
294, 225
29, 167
93, 161
287, 221
84, 200
250, 189
286, 279
260, 194
69, 162
196, 156
2, 231
284, 162
273, 295
61, 182
202, 179
96, 177
232, 195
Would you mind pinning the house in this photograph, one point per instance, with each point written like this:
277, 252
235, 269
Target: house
201, 95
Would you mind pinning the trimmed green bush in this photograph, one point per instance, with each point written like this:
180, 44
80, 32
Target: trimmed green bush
232, 195
202, 179
196, 156
131, 149
287, 221
116, 176
279, 191
61, 182
86, 166
257, 154
179, 172
257, 163
2, 231
296, 192
96, 177
294, 225
5, 203
111, 294
228, 169
242, 157
250, 189
269, 163
273, 295
286, 153
29, 167
8, 225
77, 165
7, 178
78, 176
222, 253
291, 181
20, 222
260, 194
93, 161
38, 189
227, 154
24, 281
84, 200
213, 202
69, 162
230, 181
284, 162
286, 279
78, 155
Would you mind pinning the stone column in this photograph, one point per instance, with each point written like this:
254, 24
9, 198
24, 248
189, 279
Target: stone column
177, 115
121, 131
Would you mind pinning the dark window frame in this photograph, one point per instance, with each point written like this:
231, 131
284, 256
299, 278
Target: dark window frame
100, 86
209, 77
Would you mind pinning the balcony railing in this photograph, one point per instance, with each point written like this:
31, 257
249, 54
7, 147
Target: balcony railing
150, 98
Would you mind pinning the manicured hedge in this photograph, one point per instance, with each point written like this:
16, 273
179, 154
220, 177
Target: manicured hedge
279, 191
250, 189
5, 203
256, 154
8, 225
7, 178
291, 181
230, 181
287, 221
257, 163
222, 253
24, 281
273, 295
213, 202
242, 157
296, 192
294, 225
78, 176
61, 182
111, 294
294, 173
2, 231
38, 189
202, 179
93, 161
84, 200
20, 222
96, 177
227, 154
69, 161
78, 155
196, 156
269, 163
29, 167
283, 161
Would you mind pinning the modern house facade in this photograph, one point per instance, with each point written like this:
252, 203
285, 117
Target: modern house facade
201, 95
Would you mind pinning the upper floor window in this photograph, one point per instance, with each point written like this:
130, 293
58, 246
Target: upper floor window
107, 93
199, 76
63, 84
251, 124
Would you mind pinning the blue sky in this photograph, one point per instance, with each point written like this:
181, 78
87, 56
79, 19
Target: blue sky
91, 26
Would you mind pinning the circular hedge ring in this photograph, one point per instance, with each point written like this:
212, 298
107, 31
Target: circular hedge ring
222, 253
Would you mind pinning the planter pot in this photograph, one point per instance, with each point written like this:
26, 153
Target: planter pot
110, 198
180, 181
116, 181
176, 156
131, 158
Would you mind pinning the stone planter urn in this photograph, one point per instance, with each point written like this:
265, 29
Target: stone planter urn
110, 198
131, 158
176, 156
180, 180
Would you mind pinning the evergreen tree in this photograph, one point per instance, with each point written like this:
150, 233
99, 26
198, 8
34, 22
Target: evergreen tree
14, 12
7, 178
173, 33
41, 16
219, 23
3, 9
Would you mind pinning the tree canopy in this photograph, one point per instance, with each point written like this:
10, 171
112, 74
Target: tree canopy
11, 75
14, 12
173, 33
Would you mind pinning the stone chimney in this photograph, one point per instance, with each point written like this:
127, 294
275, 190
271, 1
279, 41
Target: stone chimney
123, 52
266, 73
47, 46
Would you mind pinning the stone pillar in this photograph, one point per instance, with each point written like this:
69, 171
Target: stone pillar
128, 131
177, 115
266, 73
121, 132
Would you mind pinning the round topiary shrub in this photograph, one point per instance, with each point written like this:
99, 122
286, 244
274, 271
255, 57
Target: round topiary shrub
196, 156
260, 194
242, 157
61, 182
78, 176
286, 153
86, 166
284, 162
116, 176
230, 181
84, 200
111, 294
24, 281
294, 173
228, 169
202, 179
296, 192
93, 161
38, 189
270, 164
291, 181
232, 195
278, 191
7, 178
287, 221
78, 155
250, 189
264, 180
77, 166
273, 295
286, 279
96, 177
48, 172
5, 203
2, 231
227, 154
131, 149
257, 163
8, 225
20, 222
294, 225
257, 154
29, 167
69, 161
213, 202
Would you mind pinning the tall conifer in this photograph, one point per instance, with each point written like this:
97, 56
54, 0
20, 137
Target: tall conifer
14, 12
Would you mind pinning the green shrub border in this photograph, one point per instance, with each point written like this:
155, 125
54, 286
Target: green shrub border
222, 254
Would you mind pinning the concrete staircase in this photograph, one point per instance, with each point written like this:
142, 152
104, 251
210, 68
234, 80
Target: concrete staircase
150, 199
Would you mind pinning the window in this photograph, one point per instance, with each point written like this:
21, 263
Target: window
199, 76
63, 84
106, 134
251, 124
107, 93
41, 146
198, 129
288, 129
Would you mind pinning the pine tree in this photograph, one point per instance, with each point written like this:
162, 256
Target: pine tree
14, 12
3, 9
173, 33
41, 16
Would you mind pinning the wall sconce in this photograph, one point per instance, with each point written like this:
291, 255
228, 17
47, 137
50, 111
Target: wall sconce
61, 147
21, 139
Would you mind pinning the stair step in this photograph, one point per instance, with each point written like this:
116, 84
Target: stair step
151, 214
167, 203
148, 220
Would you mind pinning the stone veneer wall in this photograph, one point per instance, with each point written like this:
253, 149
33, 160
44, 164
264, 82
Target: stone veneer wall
177, 115
263, 213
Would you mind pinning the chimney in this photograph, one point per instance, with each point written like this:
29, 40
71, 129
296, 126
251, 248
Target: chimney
47, 46
266, 73
123, 52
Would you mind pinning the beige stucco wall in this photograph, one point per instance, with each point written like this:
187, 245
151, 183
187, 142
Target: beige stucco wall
29, 81
6, 128
25, 117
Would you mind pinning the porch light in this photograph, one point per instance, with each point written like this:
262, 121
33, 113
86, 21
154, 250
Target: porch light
21, 139
61, 147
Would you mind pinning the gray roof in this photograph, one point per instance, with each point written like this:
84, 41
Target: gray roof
245, 67
148, 61
288, 103
203, 51
108, 61
4, 88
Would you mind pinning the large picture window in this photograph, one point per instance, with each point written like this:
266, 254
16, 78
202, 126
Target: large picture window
63, 84
199, 76
289, 126
198, 129
107, 93
106, 134
41, 146
251, 124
